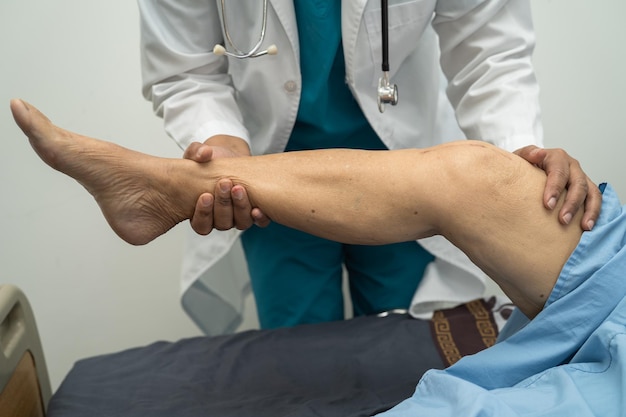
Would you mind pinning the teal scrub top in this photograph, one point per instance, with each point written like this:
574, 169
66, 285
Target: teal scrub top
328, 115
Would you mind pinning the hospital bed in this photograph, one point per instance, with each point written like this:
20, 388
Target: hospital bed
24, 383
356, 367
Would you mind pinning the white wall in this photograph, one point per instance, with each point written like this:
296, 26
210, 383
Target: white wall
91, 292
581, 64
78, 61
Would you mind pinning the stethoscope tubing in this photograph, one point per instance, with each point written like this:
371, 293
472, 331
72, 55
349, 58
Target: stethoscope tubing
384, 13
254, 52
386, 93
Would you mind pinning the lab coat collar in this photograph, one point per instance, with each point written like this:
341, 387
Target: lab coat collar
351, 19
286, 13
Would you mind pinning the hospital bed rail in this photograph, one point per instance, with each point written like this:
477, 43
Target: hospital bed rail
24, 382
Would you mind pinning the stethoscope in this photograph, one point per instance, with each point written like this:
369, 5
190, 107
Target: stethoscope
386, 93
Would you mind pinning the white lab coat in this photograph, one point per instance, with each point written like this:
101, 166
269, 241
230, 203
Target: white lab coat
484, 48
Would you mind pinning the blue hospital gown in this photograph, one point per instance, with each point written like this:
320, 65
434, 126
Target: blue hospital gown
569, 361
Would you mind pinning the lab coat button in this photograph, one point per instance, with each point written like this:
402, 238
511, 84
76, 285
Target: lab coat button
290, 86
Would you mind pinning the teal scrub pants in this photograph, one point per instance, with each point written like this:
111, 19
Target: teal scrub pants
297, 278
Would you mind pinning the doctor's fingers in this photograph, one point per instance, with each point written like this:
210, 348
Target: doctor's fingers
260, 219
582, 194
198, 152
593, 204
223, 206
230, 209
202, 219
242, 210
566, 174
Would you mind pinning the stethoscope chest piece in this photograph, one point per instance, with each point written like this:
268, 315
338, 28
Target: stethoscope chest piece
387, 93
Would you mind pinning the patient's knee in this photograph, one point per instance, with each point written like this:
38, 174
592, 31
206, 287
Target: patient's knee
482, 162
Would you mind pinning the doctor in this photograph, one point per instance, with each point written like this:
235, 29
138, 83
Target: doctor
462, 68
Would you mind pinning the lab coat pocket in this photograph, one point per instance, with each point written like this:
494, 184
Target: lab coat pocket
407, 22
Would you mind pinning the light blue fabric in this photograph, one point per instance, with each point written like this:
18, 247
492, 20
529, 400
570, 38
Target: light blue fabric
569, 361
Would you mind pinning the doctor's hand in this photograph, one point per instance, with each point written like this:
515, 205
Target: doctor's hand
229, 205
565, 174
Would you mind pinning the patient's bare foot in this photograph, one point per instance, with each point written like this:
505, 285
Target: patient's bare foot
137, 193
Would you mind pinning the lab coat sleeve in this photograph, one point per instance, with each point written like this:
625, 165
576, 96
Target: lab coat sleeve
188, 85
486, 55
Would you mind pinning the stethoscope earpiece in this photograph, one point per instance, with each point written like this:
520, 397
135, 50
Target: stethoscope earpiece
219, 50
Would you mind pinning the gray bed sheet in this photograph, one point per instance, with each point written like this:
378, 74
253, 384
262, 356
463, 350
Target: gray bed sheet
357, 367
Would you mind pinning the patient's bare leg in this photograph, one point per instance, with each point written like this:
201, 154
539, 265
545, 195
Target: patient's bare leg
131, 188
484, 200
